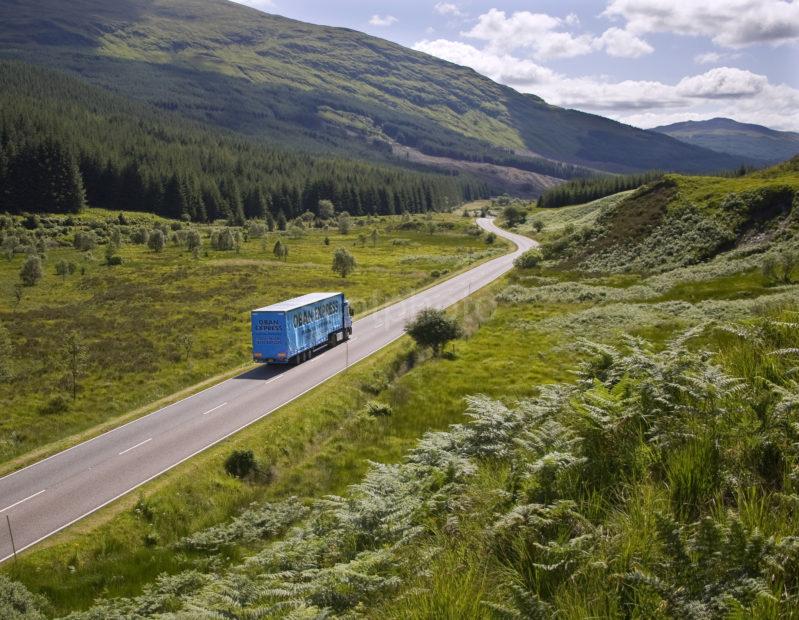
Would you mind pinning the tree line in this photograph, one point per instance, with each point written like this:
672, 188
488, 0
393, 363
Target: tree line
578, 191
64, 144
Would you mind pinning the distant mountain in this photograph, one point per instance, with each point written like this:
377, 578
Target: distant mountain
316, 88
725, 135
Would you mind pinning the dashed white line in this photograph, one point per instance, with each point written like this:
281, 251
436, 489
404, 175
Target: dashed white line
22, 500
215, 408
136, 446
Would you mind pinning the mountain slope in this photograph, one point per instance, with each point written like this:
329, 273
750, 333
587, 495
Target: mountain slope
315, 87
739, 139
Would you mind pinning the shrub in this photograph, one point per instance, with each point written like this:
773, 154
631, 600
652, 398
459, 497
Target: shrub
85, 241
343, 262
156, 241
241, 464
490, 238
31, 271
376, 409
141, 235
193, 240
529, 260
17, 603
114, 260
433, 328
57, 404
223, 240
513, 215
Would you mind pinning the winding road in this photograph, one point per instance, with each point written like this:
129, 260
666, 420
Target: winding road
52, 494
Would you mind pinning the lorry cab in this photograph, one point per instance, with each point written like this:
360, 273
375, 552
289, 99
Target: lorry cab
291, 331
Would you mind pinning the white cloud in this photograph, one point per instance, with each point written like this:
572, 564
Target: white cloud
722, 91
383, 20
712, 58
447, 8
623, 44
722, 83
729, 23
519, 30
544, 34
499, 67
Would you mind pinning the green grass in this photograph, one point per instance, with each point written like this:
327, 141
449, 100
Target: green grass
322, 443
132, 316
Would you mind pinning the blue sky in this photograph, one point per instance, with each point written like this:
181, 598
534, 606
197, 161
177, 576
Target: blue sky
644, 62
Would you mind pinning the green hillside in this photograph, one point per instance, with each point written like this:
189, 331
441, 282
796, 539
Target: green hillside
725, 135
315, 87
682, 220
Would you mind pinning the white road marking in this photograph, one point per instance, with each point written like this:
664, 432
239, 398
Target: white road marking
136, 446
215, 408
22, 500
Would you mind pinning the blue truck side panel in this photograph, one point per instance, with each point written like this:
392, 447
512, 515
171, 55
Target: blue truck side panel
279, 335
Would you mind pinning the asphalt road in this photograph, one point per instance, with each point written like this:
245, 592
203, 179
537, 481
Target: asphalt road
54, 493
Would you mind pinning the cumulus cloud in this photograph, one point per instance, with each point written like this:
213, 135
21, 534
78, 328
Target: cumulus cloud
502, 68
722, 91
447, 8
383, 20
623, 44
545, 35
722, 83
729, 23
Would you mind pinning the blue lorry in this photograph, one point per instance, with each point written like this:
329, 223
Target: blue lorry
291, 331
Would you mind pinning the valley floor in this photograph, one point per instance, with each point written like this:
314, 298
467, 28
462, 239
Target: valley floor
623, 445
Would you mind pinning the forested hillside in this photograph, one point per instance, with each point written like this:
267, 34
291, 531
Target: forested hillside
64, 143
317, 88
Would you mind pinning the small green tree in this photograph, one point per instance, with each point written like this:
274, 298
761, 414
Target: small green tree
513, 215
433, 328
156, 241
343, 262
538, 225
282, 223
193, 241
186, 344
326, 210
490, 238
110, 253
84, 241
31, 271
374, 236
75, 357
344, 223
270, 221
281, 250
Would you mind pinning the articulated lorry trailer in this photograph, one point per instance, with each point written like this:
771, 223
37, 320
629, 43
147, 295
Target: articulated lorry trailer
291, 331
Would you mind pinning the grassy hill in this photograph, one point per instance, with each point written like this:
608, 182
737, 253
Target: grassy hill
682, 220
740, 139
314, 87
